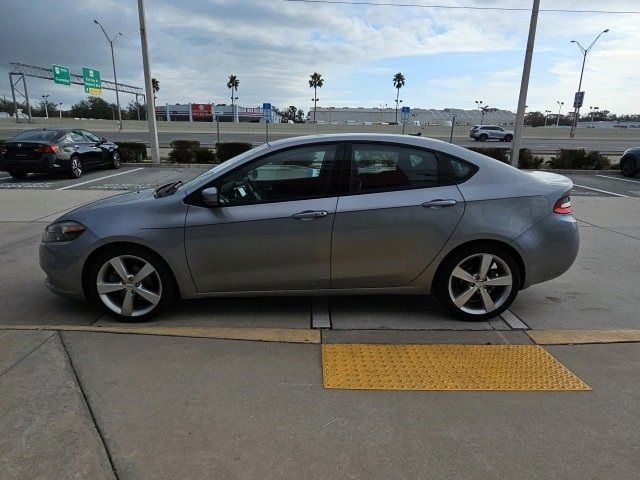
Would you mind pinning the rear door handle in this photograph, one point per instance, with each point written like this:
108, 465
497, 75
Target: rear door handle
310, 214
439, 203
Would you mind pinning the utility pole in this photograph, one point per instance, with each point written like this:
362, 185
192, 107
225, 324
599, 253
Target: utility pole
560, 104
46, 109
524, 85
546, 116
151, 104
111, 41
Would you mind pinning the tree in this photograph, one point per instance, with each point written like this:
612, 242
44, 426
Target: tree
155, 86
535, 119
290, 113
132, 109
39, 110
233, 84
316, 82
94, 107
398, 83
7, 106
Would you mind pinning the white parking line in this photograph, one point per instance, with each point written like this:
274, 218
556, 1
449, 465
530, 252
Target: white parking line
601, 191
98, 179
617, 178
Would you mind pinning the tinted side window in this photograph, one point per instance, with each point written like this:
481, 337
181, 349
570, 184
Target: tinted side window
90, 136
295, 174
454, 170
378, 167
76, 137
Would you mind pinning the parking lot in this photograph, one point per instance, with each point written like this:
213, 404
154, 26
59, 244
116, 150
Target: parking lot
176, 398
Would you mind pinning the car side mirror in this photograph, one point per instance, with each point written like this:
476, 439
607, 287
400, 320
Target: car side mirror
210, 197
103, 140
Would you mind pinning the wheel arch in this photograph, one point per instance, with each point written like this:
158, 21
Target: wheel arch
479, 243
113, 245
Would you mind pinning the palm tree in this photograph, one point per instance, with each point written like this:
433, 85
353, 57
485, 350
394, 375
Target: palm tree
398, 83
155, 86
233, 84
315, 83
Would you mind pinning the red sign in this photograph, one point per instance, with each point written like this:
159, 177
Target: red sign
201, 110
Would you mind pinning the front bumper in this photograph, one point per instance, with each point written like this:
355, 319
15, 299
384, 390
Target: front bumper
549, 248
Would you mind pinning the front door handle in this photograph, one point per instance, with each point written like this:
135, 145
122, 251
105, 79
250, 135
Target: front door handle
310, 214
439, 203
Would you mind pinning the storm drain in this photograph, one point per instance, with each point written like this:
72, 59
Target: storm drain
445, 367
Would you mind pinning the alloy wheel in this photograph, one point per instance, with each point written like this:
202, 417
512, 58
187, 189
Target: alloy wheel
115, 160
129, 286
76, 167
480, 283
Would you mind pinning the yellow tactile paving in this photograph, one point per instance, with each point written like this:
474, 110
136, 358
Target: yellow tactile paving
566, 337
444, 367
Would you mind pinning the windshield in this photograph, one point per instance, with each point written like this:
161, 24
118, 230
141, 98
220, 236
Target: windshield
239, 158
36, 136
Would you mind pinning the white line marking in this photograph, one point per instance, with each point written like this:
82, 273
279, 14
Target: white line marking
616, 178
601, 191
98, 179
513, 321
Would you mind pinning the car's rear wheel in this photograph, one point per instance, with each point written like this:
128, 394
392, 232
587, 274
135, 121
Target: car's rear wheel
478, 282
18, 175
628, 167
130, 283
508, 138
75, 167
483, 137
115, 160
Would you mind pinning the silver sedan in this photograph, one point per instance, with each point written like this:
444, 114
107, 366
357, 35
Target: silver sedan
322, 215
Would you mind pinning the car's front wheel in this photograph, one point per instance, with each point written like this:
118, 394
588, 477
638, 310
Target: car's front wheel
75, 167
130, 283
508, 138
478, 282
115, 160
627, 167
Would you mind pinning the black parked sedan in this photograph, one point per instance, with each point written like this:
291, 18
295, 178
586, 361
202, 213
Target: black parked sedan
68, 151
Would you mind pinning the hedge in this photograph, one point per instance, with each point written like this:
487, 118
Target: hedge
526, 159
190, 151
132, 151
227, 150
579, 159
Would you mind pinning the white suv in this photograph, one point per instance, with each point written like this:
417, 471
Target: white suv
483, 133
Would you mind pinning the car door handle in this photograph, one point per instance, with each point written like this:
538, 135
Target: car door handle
439, 203
310, 214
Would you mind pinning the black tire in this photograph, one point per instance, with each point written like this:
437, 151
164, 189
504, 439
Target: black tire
441, 285
628, 167
164, 277
483, 137
18, 175
508, 138
75, 167
114, 163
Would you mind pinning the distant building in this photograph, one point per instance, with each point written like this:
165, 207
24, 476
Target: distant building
430, 116
609, 124
206, 112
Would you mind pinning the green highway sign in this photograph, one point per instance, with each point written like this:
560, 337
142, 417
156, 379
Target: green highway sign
61, 74
91, 80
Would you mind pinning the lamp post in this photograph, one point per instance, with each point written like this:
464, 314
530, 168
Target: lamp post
60, 110
585, 51
479, 106
591, 110
546, 115
560, 104
46, 109
111, 41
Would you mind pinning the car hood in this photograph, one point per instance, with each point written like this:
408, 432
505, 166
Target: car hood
128, 198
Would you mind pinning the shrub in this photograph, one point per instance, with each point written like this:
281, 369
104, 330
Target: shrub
227, 150
183, 151
132, 151
529, 160
579, 159
501, 154
204, 155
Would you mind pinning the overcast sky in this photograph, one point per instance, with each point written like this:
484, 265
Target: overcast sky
449, 57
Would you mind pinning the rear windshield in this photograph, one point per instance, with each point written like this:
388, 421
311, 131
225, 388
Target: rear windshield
36, 135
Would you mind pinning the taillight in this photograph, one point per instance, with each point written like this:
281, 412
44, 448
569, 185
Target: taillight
563, 206
49, 149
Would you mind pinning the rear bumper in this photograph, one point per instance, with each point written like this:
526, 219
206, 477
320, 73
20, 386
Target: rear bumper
48, 163
549, 248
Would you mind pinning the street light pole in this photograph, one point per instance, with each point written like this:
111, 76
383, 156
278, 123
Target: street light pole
46, 109
150, 100
576, 104
60, 110
560, 104
479, 106
111, 41
546, 116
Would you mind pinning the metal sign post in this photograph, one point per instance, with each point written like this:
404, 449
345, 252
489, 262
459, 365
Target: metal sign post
405, 117
266, 115
453, 124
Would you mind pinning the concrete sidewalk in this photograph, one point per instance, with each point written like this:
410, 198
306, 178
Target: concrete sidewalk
167, 408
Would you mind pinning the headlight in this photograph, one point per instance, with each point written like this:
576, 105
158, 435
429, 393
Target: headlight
63, 232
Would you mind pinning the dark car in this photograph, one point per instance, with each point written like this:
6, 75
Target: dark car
630, 162
69, 151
